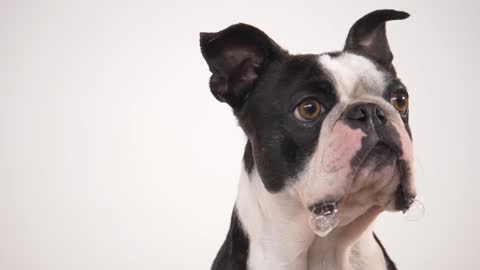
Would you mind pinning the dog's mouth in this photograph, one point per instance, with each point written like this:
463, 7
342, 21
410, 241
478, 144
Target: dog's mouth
376, 160
379, 177
383, 155
380, 156
403, 197
327, 215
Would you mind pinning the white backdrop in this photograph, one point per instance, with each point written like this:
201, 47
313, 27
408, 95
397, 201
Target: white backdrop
114, 154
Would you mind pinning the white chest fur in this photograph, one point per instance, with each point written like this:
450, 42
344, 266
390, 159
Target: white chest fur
280, 238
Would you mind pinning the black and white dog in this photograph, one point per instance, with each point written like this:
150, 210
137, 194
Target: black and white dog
321, 128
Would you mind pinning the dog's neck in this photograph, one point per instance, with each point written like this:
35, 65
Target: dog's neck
280, 238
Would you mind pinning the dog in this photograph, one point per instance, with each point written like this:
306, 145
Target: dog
327, 129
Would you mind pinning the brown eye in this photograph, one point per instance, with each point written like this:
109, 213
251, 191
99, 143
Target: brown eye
400, 102
308, 110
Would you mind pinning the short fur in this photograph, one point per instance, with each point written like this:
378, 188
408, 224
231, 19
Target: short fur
357, 152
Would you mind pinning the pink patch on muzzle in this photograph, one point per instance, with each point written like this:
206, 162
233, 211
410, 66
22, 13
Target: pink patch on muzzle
329, 174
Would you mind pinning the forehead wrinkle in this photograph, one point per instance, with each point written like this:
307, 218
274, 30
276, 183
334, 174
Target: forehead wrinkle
353, 75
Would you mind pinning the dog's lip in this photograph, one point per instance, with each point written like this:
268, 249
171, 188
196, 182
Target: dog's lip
377, 145
387, 147
403, 200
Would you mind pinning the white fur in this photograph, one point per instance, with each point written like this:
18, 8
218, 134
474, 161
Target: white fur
280, 239
277, 230
353, 75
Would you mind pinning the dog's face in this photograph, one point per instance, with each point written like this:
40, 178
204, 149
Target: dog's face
328, 127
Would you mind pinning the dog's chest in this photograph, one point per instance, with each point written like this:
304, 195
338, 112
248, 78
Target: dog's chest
280, 239
366, 255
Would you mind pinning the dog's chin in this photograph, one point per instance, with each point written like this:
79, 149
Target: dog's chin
377, 182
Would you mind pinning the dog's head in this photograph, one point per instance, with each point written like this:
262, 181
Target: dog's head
327, 127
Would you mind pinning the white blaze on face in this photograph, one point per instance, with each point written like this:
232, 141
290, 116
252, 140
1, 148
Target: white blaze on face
354, 76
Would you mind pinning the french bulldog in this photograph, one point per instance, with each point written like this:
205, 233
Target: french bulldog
324, 131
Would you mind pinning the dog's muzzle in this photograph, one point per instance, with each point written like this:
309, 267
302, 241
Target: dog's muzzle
365, 149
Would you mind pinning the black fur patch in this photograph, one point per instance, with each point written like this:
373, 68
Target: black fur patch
248, 162
402, 198
280, 143
233, 254
388, 261
368, 36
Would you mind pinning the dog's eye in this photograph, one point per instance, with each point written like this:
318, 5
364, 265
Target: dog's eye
308, 110
400, 102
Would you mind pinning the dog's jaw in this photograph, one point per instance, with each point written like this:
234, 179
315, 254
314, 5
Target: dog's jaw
276, 225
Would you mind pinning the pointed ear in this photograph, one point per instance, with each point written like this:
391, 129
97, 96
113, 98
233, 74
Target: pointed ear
368, 36
237, 56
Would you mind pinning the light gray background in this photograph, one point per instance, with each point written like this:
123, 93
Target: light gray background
114, 154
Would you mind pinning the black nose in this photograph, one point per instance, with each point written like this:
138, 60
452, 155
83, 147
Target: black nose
365, 115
